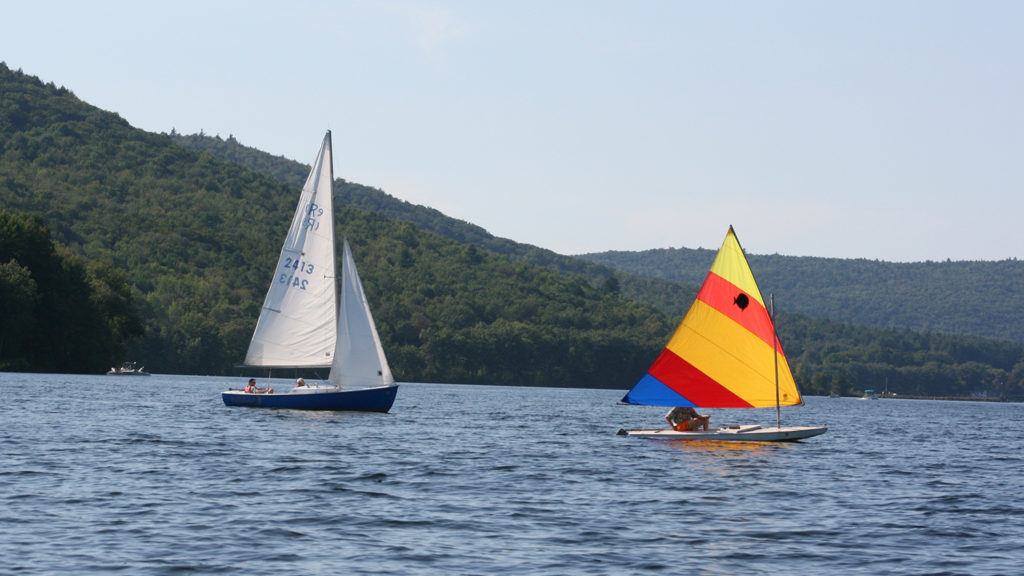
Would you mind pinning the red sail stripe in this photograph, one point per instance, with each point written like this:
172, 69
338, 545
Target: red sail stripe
692, 384
721, 295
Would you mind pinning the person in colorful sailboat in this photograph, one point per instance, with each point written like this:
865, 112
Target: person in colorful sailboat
685, 418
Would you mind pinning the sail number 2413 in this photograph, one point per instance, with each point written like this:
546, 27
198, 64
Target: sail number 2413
296, 267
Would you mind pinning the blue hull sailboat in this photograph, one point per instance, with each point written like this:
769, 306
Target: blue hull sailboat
303, 326
377, 399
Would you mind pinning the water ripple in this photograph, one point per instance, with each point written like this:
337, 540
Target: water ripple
158, 477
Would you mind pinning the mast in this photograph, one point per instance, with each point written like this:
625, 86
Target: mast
775, 348
329, 145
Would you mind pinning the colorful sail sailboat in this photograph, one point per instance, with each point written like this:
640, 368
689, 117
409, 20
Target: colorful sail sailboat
724, 354
301, 324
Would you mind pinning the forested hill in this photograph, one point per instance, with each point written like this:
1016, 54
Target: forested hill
196, 235
830, 356
974, 298
670, 297
969, 298
294, 173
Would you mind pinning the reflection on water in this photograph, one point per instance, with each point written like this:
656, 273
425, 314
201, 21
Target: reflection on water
722, 447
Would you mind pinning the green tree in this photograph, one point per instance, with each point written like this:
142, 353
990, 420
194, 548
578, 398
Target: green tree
18, 297
60, 319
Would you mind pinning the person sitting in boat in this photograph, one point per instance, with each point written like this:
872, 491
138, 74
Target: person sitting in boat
300, 383
685, 418
252, 389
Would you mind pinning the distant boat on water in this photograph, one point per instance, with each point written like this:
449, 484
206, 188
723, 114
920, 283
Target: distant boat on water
128, 369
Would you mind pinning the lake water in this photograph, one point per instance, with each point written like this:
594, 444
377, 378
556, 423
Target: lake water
155, 475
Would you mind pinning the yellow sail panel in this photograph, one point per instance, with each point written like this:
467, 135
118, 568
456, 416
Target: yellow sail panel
732, 265
743, 308
732, 356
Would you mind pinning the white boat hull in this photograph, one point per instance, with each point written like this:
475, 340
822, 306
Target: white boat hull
752, 433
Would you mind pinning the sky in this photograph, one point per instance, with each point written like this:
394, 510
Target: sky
887, 130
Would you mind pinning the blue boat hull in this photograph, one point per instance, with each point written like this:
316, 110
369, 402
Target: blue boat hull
377, 399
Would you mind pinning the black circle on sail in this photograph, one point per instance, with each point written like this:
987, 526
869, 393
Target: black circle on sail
742, 301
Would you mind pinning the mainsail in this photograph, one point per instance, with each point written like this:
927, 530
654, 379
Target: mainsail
723, 354
359, 357
298, 323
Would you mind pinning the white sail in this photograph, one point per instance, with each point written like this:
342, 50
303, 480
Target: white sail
359, 358
298, 324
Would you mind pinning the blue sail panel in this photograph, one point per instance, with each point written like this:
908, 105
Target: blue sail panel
652, 392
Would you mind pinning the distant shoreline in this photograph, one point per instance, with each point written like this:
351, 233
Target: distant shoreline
948, 398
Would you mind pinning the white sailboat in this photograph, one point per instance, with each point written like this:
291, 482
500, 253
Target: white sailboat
301, 324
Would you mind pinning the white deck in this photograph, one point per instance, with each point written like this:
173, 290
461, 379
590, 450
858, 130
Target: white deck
752, 433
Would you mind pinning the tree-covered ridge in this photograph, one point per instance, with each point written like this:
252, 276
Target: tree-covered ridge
198, 237
455, 313
173, 221
294, 173
827, 355
971, 298
59, 313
